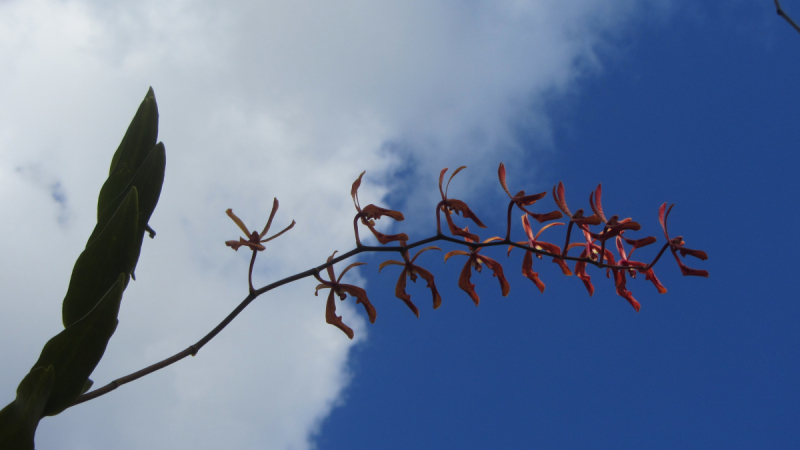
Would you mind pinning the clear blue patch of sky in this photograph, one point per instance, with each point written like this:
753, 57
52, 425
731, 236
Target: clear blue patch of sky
701, 111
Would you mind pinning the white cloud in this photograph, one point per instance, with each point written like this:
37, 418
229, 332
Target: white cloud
257, 99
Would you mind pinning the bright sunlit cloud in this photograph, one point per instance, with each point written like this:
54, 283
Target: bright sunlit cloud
258, 99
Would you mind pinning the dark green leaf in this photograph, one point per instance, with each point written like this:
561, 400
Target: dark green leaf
113, 251
148, 182
18, 420
75, 352
137, 144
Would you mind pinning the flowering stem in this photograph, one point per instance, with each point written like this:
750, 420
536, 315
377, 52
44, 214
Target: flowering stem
255, 293
250, 272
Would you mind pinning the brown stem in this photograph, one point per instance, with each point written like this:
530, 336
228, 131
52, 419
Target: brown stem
783, 14
250, 271
255, 293
508, 220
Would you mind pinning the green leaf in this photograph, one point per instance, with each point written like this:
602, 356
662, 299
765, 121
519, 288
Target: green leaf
147, 181
18, 420
75, 352
137, 144
113, 251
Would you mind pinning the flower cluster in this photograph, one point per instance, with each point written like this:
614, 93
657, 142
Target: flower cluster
596, 247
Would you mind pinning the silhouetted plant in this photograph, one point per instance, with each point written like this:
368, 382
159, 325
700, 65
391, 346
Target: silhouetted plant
60, 378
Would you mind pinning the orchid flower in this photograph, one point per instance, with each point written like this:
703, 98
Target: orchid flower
450, 205
255, 239
340, 289
534, 243
522, 200
612, 227
411, 271
370, 213
475, 260
574, 219
676, 245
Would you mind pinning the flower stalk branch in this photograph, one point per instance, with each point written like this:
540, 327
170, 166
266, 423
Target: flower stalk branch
595, 253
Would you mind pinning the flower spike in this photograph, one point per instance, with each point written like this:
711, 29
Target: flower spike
370, 213
340, 289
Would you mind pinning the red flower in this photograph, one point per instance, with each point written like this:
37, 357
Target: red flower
450, 205
575, 219
624, 260
676, 245
639, 266
534, 243
475, 260
370, 213
255, 239
411, 270
522, 200
590, 251
613, 226
342, 290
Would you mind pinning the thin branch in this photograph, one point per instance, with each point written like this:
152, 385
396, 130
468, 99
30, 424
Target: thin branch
783, 14
193, 349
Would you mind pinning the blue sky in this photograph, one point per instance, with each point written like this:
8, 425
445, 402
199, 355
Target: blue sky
660, 101
700, 111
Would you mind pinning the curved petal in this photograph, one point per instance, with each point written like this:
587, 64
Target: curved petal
497, 268
596, 203
649, 275
361, 297
501, 174
464, 282
441, 178
639, 243
333, 319
558, 196
452, 253
687, 271
546, 227
400, 292
527, 270
428, 277
662, 217
238, 221
355, 264
456, 231
390, 262
376, 212
451, 179
541, 218
622, 291
275, 205
354, 190
460, 207
433, 247
386, 238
